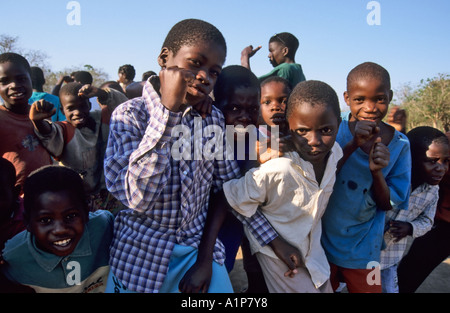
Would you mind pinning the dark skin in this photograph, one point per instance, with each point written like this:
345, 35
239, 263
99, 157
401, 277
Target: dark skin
278, 54
42, 110
186, 79
431, 170
369, 100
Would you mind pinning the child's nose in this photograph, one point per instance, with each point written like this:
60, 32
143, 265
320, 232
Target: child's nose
370, 106
59, 228
203, 77
314, 139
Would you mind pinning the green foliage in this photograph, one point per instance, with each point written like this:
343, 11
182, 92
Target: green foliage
428, 104
39, 58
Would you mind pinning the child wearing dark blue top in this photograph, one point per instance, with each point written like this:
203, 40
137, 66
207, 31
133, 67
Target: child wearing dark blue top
65, 248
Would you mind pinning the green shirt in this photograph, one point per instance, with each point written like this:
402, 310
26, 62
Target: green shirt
291, 71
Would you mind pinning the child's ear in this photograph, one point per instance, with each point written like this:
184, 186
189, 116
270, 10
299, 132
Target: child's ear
163, 57
346, 98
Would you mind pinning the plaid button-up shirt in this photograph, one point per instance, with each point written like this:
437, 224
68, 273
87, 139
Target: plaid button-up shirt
420, 214
168, 198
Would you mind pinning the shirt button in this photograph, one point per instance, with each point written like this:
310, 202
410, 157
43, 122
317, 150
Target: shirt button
184, 172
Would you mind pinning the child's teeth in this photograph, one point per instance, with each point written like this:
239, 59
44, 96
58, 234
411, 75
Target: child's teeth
62, 242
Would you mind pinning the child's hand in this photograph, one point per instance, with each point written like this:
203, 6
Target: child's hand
400, 229
379, 156
249, 51
41, 110
289, 254
265, 153
174, 85
364, 132
196, 279
88, 91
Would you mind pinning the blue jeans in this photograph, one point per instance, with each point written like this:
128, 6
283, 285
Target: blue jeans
389, 279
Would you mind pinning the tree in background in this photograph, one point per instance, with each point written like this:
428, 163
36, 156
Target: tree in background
39, 58
428, 104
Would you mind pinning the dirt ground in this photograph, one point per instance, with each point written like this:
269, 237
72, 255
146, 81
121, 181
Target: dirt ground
437, 282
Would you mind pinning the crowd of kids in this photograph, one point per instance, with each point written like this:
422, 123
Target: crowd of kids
158, 190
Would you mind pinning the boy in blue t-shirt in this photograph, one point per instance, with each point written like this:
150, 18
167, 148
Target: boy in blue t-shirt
64, 248
373, 177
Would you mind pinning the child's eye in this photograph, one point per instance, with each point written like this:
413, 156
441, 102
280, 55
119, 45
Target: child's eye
44, 220
301, 131
71, 216
267, 102
327, 131
195, 62
215, 73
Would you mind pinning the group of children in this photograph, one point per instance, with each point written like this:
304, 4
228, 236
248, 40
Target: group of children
121, 214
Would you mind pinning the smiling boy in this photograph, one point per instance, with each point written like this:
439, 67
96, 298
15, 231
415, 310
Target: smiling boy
373, 176
65, 248
169, 222
292, 191
19, 144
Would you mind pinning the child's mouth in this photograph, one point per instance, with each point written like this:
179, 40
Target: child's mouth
17, 95
62, 243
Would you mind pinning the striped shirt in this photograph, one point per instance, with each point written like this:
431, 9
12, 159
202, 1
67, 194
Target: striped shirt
420, 214
167, 196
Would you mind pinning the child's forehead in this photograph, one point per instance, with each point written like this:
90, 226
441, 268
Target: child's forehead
15, 68
374, 83
72, 99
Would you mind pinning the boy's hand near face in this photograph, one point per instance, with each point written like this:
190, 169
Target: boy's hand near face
174, 85
89, 91
364, 132
379, 156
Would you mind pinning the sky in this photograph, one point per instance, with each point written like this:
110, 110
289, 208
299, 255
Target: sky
409, 38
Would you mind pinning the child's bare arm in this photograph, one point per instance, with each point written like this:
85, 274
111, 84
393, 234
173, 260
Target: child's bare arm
246, 54
39, 112
287, 253
89, 91
379, 159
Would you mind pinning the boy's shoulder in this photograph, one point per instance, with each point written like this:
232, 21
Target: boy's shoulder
100, 218
17, 246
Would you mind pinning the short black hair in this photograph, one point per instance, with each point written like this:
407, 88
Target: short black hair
70, 89
288, 40
128, 70
147, 74
16, 59
8, 171
83, 77
420, 138
112, 84
232, 77
37, 77
277, 79
368, 70
52, 178
188, 32
313, 92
